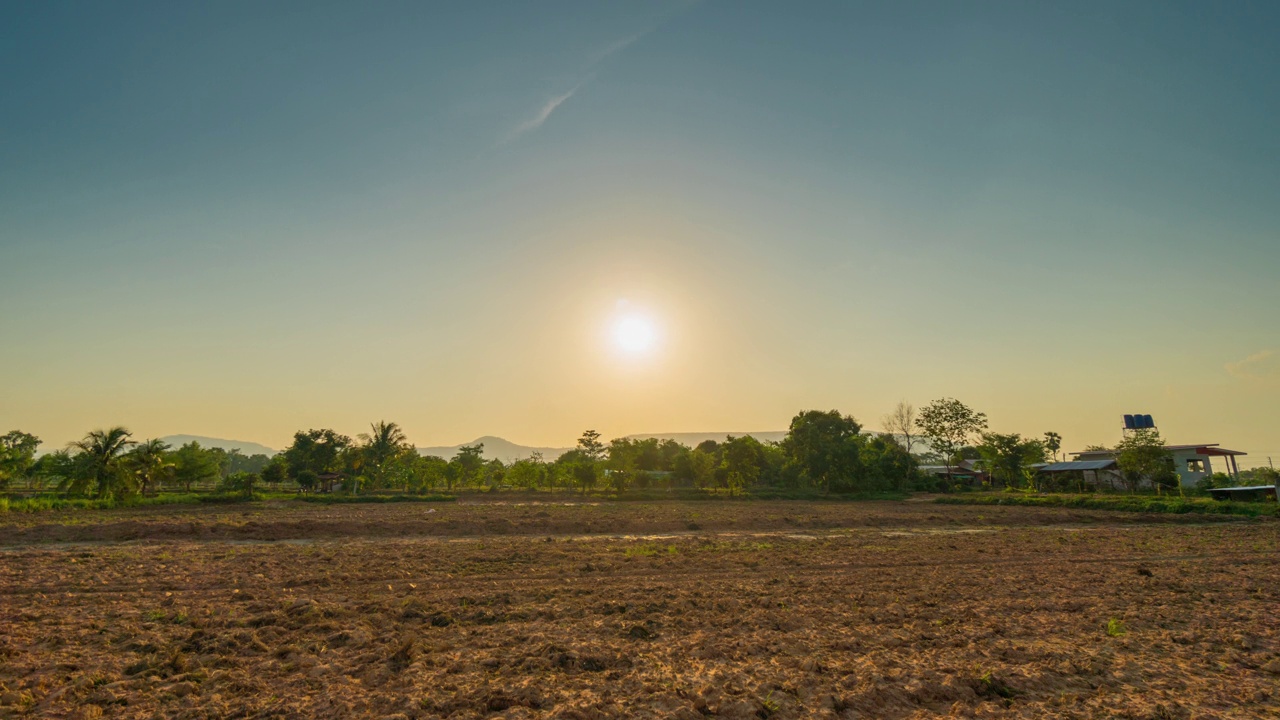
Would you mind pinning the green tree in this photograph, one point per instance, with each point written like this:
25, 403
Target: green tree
824, 448
1008, 457
307, 480
150, 464
742, 463
590, 446
579, 468
1141, 457
683, 470
17, 455
194, 465
705, 461
59, 468
1053, 443
236, 461
241, 483
467, 466
320, 451
889, 466
100, 467
385, 442
948, 424
528, 474
1267, 476
275, 472
428, 472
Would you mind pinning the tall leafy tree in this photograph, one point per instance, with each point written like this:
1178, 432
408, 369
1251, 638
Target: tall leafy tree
1008, 456
743, 462
579, 468
275, 471
319, 451
17, 455
194, 465
888, 464
428, 471
1141, 457
467, 466
591, 446
100, 467
949, 424
529, 473
824, 448
237, 461
1053, 443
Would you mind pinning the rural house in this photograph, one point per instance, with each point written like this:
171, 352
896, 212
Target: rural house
1193, 462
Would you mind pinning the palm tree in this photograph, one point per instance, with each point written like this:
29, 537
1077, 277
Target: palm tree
385, 442
100, 452
150, 464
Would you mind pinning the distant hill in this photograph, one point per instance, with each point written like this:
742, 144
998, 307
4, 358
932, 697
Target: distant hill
507, 451
692, 439
248, 448
496, 447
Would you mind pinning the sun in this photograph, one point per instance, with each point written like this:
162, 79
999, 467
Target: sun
634, 334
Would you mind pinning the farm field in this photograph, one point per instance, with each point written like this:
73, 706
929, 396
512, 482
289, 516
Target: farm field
600, 610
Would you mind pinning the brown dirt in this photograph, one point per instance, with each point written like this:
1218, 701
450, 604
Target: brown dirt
738, 610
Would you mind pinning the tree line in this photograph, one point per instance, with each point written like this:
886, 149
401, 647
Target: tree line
110, 464
823, 452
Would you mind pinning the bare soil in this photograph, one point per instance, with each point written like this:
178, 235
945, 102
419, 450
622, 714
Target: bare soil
723, 609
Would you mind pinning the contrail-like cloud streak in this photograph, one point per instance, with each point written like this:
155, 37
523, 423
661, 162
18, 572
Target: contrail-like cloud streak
543, 113
549, 107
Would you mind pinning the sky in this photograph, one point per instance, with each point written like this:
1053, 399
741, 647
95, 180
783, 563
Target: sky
243, 219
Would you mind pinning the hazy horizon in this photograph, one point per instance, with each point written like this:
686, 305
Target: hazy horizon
525, 221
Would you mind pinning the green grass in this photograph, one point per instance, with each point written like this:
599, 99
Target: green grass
1124, 503
41, 503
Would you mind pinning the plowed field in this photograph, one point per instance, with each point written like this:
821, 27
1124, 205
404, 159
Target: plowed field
727, 609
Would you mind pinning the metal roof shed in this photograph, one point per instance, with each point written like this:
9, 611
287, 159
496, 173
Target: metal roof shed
1252, 493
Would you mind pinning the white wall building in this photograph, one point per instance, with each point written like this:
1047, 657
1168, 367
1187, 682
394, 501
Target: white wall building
1193, 462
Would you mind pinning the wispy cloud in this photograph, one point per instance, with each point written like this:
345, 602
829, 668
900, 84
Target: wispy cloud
535, 122
1262, 364
618, 47
549, 107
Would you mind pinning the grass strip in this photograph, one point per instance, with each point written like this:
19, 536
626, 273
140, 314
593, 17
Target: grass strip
1123, 503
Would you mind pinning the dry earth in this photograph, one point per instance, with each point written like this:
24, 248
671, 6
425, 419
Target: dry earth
730, 609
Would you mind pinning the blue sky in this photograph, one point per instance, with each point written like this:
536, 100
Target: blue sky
243, 219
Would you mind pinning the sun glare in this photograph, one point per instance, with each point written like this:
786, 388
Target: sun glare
634, 334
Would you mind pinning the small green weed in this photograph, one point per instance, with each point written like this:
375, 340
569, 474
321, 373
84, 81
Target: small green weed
1116, 628
990, 686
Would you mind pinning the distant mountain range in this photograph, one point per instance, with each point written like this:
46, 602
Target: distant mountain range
494, 447
693, 439
507, 451
248, 448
